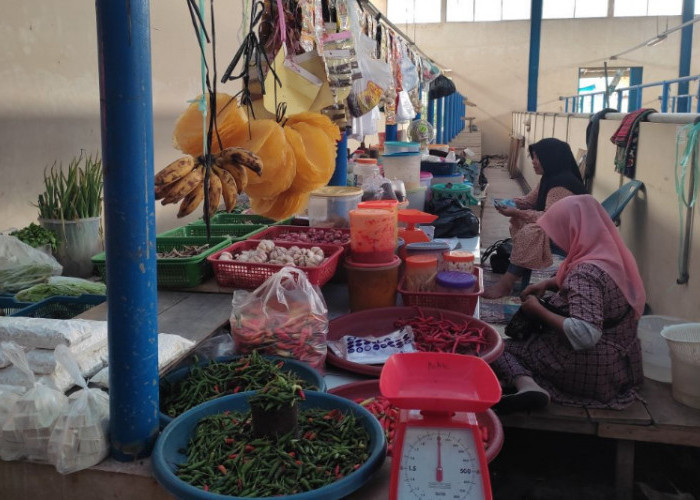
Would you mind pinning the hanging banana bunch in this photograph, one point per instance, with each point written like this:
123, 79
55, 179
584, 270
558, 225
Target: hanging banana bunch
183, 180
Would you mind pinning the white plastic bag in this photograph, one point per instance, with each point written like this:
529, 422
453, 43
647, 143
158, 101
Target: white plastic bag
26, 431
404, 110
44, 333
9, 395
22, 266
80, 437
285, 316
409, 74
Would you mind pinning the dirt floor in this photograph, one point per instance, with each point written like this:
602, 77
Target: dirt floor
536, 465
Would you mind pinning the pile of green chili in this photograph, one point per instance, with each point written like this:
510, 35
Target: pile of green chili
206, 382
222, 458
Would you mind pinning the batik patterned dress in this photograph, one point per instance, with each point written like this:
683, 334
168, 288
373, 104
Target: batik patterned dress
603, 376
530, 244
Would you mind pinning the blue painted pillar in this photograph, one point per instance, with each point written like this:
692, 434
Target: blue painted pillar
340, 174
534, 62
124, 52
431, 111
448, 118
392, 132
686, 51
420, 99
635, 96
439, 120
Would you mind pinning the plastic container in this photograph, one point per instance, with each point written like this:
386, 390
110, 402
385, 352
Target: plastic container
455, 282
684, 346
460, 302
404, 166
372, 235
287, 233
433, 248
420, 272
656, 359
370, 285
458, 260
173, 441
62, 307
416, 198
439, 168
235, 232
9, 306
454, 179
363, 168
460, 192
330, 206
238, 219
78, 240
393, 147
388, 205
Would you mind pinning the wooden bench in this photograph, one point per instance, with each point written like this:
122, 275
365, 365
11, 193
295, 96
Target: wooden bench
659, 419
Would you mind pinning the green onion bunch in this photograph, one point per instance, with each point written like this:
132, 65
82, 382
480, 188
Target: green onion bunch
75, 193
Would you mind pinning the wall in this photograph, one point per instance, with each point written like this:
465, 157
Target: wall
49, 78
650, 223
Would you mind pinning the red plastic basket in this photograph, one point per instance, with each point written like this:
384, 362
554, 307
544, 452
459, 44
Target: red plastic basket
460, 302
273, 233
250, 275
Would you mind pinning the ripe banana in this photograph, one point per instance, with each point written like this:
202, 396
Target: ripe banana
214, 193
240, 156
191, 201
239, 174
229, 189
177, 190
177, 169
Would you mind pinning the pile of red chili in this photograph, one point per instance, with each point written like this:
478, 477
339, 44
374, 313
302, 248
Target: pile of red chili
438, 334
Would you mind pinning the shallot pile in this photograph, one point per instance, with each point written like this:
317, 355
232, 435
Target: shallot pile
268, 253
316, 235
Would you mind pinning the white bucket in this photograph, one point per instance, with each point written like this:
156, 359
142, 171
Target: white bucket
78, 241
403, 166
656, 360
684, 346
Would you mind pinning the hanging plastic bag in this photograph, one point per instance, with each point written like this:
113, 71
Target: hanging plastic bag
404, 110
80, 437
285, 316
376, 78
429, 71
22, 266
409, 74
454, 219
26, 431
441, 87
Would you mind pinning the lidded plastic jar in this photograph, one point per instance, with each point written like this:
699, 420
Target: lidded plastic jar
372, 235
419, 272
434, 248
330, 206
455, 282
388, 205
458, 260
364, 168
372, 285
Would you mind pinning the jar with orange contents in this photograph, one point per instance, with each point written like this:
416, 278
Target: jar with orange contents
420, 272
457, 260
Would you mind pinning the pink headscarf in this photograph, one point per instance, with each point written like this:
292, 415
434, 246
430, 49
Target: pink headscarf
581, 227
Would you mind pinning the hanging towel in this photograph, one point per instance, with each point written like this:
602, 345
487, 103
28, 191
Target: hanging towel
592, 146
625, 138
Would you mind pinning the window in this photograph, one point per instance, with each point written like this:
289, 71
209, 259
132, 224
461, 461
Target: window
567, 9
516, 9
414, 11
509, 10
460, 11
626, 8
592, 80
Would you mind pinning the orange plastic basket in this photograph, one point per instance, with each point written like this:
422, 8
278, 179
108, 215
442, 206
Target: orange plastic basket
250, 275
460, 302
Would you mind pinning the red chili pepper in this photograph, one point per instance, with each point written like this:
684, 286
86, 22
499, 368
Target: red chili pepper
298, 462
236, 389
216, 388
206, 487
233, 456
228, 440
302, 395
222, 469
249, 447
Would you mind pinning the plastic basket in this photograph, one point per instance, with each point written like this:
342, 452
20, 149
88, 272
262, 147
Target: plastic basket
185, 272
273, 233
9, 306
250, 275
62, 307
439, 168
684, 346
460, 192
226, 218
460, 302
234, 232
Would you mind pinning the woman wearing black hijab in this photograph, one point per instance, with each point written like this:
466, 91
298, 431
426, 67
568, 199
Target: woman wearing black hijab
554, 161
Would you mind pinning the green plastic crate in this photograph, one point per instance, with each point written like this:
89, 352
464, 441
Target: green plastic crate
175, 272
226, 218
235, 232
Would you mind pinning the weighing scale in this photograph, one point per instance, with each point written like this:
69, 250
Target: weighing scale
438, 452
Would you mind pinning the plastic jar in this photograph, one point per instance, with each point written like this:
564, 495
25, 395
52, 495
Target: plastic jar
455, 282
363, 168
330, 206
458, 260
416, 198
388, 205
404, 166
372, 285
372, 235
434, 248
420, 272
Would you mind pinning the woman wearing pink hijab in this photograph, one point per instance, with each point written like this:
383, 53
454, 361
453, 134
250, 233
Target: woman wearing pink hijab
590, 356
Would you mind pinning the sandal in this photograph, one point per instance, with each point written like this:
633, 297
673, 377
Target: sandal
521, 401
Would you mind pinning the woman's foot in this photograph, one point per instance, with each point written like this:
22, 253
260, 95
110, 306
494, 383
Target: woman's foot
529, 396
502, 288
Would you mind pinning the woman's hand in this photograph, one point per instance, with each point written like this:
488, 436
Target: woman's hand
531, 306
507, 211
539, 288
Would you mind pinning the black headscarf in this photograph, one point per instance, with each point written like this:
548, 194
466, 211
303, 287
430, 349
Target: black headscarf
559, 166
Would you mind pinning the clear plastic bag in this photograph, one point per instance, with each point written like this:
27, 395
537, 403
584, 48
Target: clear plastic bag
22, 266
404, 110
285, 316
26, 431
409, 74
80, 437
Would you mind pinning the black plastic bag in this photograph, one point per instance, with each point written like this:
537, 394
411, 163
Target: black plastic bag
441, 87
454, 219
498, 255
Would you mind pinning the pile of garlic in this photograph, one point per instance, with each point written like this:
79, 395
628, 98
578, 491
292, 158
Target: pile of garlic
268, 253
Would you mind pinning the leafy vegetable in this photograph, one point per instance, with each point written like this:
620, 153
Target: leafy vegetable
61, 285
36, 236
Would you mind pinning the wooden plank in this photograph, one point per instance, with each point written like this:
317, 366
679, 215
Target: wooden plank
166, 300
665, 410
525, 421
560, 412
636, 414
624, 470
197, 316
682, 436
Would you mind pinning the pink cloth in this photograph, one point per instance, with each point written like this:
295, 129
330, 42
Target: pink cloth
581, 227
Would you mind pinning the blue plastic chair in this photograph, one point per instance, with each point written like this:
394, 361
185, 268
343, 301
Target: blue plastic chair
616, 202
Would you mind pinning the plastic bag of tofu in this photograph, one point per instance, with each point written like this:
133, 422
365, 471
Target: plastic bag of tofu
26, 431
80, 437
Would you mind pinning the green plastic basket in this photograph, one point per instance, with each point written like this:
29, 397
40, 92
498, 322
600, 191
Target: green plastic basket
226, 218
461, 192
235, 232
178, 272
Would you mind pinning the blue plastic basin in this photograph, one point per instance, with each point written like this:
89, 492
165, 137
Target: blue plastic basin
302, 370
168, 452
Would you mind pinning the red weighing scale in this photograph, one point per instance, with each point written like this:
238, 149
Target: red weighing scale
438, 452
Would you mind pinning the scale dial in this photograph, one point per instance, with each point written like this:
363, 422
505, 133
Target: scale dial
439, 463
